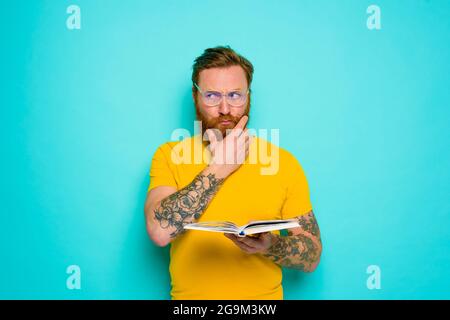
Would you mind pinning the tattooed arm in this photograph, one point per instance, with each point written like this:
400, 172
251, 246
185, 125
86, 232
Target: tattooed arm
301, 248
168, 210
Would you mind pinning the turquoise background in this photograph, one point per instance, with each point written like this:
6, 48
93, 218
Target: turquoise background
366, 112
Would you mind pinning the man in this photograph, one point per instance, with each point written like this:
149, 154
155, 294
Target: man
210, 265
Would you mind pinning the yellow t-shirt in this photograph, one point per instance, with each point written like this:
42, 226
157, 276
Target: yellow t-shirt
207, 265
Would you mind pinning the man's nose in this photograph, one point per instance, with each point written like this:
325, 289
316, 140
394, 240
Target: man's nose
224, 108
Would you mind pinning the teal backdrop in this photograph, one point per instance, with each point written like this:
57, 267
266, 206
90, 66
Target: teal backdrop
366, 112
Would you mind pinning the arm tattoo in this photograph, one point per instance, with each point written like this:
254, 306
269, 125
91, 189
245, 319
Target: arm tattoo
186, 205
301, 251
309, 224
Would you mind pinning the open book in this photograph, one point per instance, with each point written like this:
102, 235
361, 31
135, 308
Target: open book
248, 229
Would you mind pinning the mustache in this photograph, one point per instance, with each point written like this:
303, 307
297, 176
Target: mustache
217, 120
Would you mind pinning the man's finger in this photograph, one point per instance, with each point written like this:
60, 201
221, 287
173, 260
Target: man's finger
240, 244
211, 137
241, 124
242, 139
244, 134
244, 247
249, 241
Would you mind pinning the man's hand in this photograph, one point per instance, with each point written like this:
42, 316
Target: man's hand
229, 153
168, 210
253, 244
300, 249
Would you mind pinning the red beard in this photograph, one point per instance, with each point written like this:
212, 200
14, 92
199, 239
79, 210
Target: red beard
215, 123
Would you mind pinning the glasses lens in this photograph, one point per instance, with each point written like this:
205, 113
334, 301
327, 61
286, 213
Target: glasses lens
212, 98
236, 98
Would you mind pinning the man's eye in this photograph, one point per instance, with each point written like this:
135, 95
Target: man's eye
211, 95
235, 95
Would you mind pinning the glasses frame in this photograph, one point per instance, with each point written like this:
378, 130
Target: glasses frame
221, 98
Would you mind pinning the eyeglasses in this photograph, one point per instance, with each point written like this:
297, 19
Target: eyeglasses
214, 98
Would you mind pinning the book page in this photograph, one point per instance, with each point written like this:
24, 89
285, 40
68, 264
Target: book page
267, 222
215, 226
265, 227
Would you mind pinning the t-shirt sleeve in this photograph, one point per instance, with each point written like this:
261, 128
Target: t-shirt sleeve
161, 171
297, 200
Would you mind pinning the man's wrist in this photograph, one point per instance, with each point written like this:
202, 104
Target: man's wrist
274, 240
219, 171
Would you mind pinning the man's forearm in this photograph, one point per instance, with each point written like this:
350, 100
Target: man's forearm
295, 251
301, 251
186, 205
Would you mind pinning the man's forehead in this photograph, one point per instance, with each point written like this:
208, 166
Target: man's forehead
223, 78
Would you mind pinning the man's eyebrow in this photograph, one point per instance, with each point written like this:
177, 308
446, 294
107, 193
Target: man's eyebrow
216, 90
